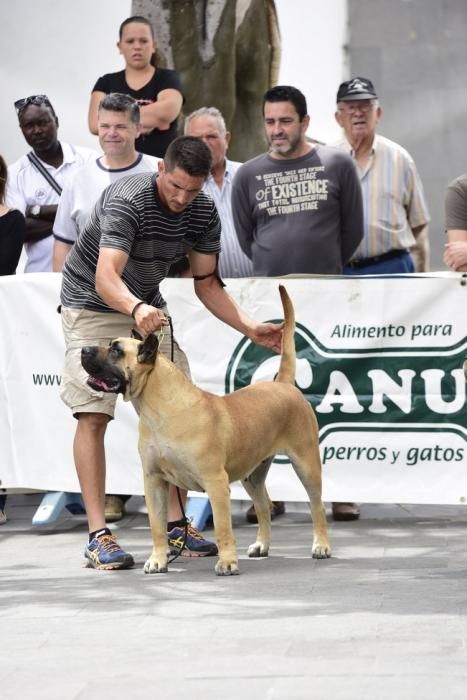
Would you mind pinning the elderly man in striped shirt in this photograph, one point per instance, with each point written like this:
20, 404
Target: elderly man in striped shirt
395, 235
208, 124
395, 211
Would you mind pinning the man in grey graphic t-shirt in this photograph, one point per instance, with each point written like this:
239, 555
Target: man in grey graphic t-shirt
298, 208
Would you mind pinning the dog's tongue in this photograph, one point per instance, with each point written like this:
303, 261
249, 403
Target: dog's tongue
100, 382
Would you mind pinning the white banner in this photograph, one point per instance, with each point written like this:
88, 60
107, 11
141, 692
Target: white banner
380, 359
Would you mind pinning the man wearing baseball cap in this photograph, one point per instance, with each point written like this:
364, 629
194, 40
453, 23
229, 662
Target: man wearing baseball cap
396, 215
395, 212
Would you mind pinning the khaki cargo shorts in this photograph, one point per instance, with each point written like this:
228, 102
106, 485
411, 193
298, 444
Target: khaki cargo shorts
82, 327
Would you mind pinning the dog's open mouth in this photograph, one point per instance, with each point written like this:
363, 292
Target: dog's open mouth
110, 386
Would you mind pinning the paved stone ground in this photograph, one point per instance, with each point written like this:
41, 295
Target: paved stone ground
384, 618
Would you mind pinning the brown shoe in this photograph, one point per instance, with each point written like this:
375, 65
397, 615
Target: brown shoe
277, 508
345, 511
114, 508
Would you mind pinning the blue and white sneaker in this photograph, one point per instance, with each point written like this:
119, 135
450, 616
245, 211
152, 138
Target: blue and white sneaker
195, 545
103, 552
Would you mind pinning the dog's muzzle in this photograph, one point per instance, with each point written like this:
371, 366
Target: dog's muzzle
103, 376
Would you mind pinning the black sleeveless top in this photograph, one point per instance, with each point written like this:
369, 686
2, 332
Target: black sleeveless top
156, 142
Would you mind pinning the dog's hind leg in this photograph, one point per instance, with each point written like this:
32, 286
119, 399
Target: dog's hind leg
156, 493
308, 469
255, 487
218, 491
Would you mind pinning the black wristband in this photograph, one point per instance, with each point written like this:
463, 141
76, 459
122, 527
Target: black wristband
136, 306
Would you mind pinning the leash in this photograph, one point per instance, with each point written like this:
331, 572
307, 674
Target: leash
179, 496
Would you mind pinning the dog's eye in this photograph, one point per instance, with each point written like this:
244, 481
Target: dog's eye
115, 350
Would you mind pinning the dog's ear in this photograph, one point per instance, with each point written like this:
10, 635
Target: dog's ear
147, 351
136, 335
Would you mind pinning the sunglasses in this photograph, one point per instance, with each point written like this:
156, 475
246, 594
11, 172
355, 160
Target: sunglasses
37, 100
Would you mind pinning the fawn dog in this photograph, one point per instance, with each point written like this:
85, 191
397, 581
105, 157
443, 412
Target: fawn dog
200, 441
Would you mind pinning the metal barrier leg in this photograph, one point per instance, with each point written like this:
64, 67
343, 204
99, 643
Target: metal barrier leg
199, 510
53, 503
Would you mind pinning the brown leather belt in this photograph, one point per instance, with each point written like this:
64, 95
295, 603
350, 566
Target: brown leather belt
364, 262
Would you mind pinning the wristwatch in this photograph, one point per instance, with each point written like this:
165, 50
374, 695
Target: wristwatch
35, 210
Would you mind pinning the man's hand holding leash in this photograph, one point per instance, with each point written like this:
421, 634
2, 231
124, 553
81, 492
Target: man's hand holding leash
148, 318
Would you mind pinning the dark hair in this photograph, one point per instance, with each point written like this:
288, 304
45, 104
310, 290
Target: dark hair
189, 154
155, 58
3, 176
135, 18
287, 93
118, 102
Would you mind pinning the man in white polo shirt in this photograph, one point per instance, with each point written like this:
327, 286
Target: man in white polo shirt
35, 180
118, 127
118, 121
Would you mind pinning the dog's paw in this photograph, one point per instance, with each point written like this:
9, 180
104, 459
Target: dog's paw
258, 549
321, 551
227, 568
153, 567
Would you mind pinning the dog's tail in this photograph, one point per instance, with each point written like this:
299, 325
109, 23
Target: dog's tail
288, 358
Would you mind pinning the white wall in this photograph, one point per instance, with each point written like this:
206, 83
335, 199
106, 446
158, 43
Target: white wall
60, 47
314, 34
56, 47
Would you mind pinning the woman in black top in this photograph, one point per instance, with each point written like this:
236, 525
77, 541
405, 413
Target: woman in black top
157, 90
12, 230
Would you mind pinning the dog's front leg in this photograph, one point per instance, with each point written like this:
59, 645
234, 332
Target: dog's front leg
156, 493
219, 495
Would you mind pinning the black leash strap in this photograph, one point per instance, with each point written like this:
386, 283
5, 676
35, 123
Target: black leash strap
179, 496
172, 342
44, 172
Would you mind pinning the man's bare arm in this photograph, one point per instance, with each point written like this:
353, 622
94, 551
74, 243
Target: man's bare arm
220, 304
114, 292
455, 251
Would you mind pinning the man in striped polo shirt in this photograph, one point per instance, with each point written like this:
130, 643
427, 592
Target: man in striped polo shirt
138, 228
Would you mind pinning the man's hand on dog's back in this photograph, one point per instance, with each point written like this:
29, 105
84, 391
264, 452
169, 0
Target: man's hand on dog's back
269, 335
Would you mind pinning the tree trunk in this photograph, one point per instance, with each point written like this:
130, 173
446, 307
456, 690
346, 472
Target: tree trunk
226, 53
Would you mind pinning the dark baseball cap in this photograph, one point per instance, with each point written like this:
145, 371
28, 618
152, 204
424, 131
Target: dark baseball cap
356, 89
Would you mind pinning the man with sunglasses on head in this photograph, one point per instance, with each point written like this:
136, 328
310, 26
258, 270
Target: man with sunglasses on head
396, 215
35, 181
